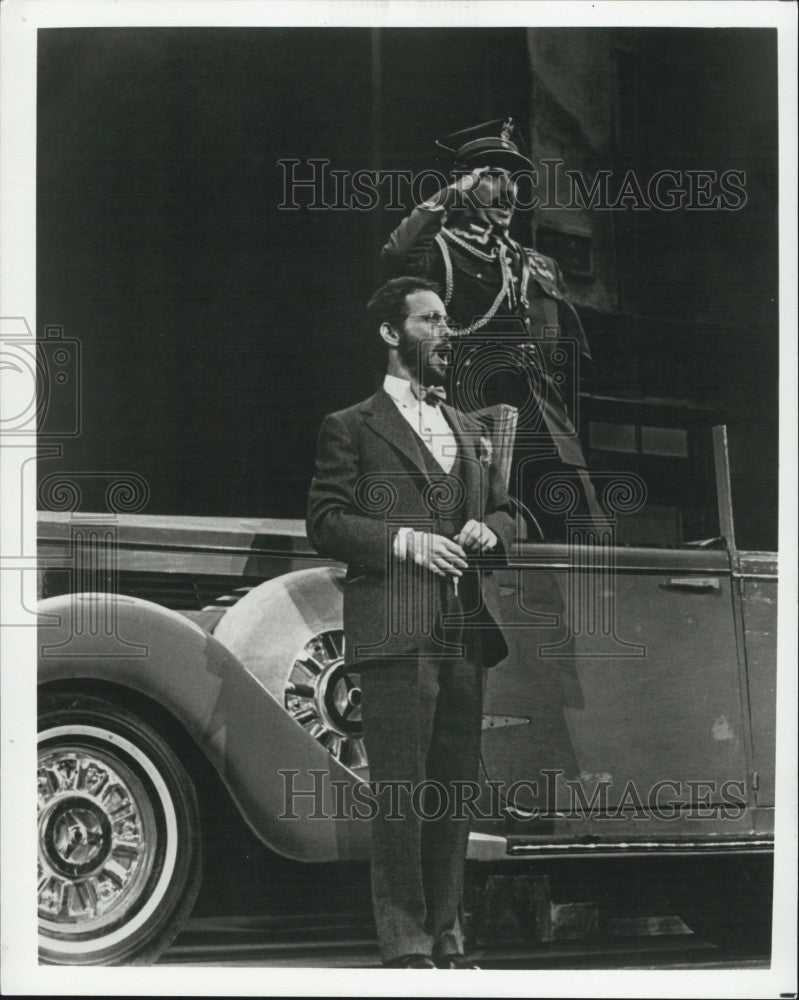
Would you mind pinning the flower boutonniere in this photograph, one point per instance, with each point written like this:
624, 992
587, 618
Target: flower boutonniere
486, 452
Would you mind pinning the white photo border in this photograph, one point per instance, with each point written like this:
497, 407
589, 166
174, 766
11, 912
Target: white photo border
19, 22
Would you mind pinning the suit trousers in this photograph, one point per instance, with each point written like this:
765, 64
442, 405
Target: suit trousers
422, 723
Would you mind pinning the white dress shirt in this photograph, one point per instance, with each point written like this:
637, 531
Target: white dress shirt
430, 425
428, 422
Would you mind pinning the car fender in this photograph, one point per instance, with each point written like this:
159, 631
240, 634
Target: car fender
290, 609
260, 753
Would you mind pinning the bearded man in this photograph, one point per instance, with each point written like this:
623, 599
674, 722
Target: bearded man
406, 494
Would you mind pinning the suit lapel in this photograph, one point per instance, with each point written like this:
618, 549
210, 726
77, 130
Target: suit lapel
385, 419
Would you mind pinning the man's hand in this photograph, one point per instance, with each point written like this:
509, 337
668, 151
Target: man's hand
468, 182
475, 536
436, 553
455, 195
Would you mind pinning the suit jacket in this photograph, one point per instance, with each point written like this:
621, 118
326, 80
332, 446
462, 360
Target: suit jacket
470, 284
370, 480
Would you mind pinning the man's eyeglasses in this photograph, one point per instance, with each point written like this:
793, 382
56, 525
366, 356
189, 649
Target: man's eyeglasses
435, 320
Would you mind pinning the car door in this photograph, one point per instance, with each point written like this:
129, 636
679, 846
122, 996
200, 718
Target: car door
621, 694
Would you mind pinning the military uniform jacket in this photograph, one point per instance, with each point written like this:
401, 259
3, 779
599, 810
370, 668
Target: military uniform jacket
467, 262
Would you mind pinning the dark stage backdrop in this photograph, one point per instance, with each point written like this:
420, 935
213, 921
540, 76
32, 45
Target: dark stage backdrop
218, 329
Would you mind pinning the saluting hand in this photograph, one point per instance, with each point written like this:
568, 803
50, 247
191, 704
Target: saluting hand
467, 182
454, 195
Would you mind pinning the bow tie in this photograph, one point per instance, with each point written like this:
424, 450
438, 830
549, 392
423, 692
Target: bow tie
432, 394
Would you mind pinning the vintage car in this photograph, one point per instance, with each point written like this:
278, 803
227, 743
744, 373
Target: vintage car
183, 659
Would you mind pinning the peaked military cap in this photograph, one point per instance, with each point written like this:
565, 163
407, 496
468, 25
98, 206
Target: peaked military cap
490, 144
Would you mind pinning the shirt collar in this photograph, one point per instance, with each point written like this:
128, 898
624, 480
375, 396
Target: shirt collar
400, 390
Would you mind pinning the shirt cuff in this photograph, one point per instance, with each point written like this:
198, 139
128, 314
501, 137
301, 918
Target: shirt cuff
401, 542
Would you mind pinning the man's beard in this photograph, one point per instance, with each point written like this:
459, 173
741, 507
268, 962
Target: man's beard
415, 356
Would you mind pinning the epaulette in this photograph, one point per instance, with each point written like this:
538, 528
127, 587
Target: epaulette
542, 266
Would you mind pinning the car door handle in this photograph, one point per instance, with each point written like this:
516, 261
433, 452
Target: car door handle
692, 583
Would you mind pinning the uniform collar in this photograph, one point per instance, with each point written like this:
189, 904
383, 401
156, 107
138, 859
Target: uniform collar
476, 230
484, 233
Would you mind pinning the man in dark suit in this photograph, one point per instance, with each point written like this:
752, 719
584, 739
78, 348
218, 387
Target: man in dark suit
405, 493
494, 286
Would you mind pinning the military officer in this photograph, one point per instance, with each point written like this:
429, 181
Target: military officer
500, 292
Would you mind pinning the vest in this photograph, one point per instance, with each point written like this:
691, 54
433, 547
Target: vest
449, 496
448, 501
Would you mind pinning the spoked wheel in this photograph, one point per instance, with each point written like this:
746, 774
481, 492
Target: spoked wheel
325, 697
289, 635
118, 826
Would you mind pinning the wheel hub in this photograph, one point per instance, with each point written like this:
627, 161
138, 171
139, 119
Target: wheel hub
324, 697
96, 838
77, 836
338, 700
